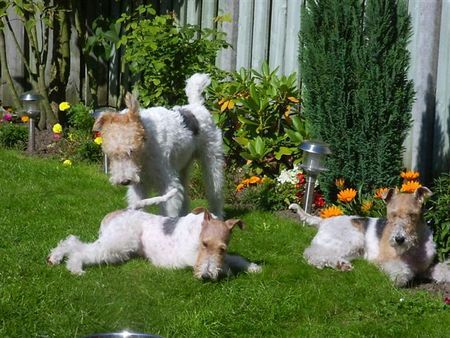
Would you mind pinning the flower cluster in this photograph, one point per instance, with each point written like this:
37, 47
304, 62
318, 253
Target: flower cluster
349, 203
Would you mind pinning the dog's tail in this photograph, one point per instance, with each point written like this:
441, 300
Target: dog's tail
305, 217
154, 200
195, 86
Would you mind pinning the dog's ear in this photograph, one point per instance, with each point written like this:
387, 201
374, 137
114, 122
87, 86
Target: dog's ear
206, 216
231, 223
198, 210
100, 121
387, 196
132, 104
421, 193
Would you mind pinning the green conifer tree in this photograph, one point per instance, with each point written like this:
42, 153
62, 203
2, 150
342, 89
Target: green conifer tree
357, 97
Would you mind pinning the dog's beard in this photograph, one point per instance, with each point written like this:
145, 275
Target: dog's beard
209, 268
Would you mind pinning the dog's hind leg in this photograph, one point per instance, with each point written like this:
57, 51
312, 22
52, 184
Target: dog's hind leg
321, 257
212, 163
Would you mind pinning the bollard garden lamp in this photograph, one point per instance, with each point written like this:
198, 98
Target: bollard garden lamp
30, 103
314, 153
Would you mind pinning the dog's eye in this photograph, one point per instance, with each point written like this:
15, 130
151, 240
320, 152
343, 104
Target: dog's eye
204, 244
223, 248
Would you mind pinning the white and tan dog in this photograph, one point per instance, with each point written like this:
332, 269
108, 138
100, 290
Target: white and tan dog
152, 149
198, 240
401, 245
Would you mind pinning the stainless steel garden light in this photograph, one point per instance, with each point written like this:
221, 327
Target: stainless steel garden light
314, 153
30, 103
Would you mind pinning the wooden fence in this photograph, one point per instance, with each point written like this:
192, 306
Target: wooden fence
267, 30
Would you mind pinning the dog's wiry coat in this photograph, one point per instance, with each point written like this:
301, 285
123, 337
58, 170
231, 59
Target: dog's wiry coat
402, 244
153, 148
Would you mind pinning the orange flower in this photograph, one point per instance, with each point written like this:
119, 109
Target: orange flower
340, 183
240, 187
410, 186
24, 118
380, 192
409, 175
293, 99
254, 180
331, 211
346, 195
366, 205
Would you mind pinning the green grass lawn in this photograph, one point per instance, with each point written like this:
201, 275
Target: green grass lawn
42, 202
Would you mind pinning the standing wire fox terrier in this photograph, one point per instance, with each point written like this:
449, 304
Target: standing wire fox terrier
198, 240
401, 245
153, 148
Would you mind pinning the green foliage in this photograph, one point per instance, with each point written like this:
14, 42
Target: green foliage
357, 97
80, 117
438, 215
13, 135
259, 114
162, 54
79, 145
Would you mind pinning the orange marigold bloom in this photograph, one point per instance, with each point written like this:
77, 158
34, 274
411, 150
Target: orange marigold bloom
240, 187
346, 195
331, 211
24, 118
380, 192
410, 175
410, 186
366, 205
340, 183
254, 180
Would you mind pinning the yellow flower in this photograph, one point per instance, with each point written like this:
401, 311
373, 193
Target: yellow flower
366, 205
64, 106
57, 128
380, 192
67, 163
240, 187
331, 211
24, 118
293, 99
409, 175
340, 183
410, 186
226, 104
98, 140
346, 195
254, 180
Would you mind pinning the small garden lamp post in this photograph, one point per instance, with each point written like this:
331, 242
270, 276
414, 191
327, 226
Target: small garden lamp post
314, 153
30, 102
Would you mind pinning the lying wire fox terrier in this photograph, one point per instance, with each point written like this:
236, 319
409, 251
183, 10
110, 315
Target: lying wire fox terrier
198, 240
153, 148
402, 245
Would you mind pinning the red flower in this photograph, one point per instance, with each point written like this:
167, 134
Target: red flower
319, 201
97, 134
447, 300
301, 180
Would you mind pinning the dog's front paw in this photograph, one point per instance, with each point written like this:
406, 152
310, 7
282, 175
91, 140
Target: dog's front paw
254, 268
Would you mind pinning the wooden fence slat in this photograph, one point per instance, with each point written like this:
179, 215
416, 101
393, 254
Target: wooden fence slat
441, 145
227, 58
277, 35
73, 88
245, 32
292, 29
114, 65
260, 33
209, 11
15, 65
193, 10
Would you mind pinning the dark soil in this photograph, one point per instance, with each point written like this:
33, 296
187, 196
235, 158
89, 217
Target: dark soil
45, 144
441, 290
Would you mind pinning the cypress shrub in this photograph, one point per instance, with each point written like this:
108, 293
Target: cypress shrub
357, 97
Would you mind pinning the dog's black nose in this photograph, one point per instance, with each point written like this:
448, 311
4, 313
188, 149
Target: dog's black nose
399, 239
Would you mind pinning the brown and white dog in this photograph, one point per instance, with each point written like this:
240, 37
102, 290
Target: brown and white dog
197, 240
401, 245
